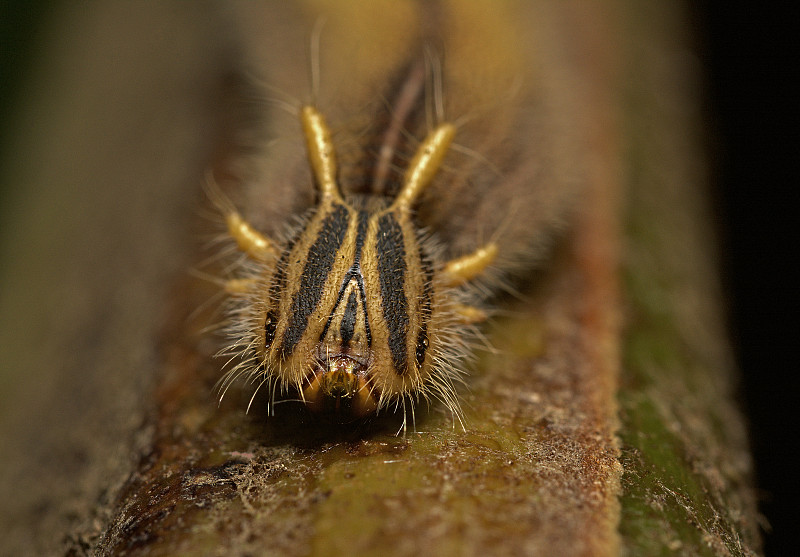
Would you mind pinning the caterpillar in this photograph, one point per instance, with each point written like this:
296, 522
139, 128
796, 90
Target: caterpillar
423, 184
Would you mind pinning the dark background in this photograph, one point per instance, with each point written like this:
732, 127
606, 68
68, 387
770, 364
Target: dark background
751, 62
751, 58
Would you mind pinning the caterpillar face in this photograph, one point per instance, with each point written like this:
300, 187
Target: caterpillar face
350, 308
352, 313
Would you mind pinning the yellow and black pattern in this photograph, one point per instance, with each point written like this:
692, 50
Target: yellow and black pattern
348, 314
444, 170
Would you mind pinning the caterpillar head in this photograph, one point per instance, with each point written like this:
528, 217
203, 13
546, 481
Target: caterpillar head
352, 312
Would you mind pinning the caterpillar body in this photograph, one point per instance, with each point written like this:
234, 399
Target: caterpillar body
423, 183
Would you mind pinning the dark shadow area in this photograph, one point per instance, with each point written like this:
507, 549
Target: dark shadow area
20, 39
288, 422
749, 54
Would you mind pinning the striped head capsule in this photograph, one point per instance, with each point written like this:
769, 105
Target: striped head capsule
352, 312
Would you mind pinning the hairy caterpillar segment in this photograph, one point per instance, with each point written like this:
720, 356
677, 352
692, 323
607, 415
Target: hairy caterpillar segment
355, 314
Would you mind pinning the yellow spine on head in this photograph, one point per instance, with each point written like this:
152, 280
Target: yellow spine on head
467, 267
248, 239
321, 153
424, 165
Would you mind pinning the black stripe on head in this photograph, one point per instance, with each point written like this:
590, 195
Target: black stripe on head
361, 234
427, 295
278, 284
319, 262
348, 325
363, 220
391, 271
